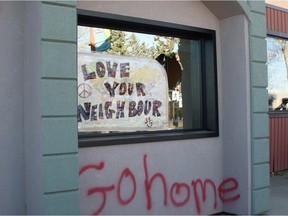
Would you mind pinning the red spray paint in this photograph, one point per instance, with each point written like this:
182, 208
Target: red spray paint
180, 192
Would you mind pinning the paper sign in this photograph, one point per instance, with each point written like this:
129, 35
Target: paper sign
120, 93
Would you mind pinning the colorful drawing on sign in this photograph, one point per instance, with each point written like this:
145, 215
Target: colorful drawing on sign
179, 194
118, 93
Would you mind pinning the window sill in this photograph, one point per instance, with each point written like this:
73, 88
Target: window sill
92, 139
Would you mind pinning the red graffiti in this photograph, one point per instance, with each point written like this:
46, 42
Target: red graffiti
180, 193
92, 166
126, 172
101, 190
203, 189
177, 186
228, 185
148, 184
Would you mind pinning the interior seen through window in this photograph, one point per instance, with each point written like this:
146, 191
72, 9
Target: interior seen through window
145, 80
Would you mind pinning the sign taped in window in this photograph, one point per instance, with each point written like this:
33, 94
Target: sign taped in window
120, 93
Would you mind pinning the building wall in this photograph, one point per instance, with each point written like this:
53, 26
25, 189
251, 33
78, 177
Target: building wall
39, 162
11, 128
277, 24
32, 108
259, 107
278, 3
234, 78
58, 107
178, 161
46, 148
248, 154
277, 41
236, 120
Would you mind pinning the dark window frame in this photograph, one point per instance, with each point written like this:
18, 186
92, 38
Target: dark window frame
209, 94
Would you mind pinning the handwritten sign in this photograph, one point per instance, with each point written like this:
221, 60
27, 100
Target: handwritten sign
120, 93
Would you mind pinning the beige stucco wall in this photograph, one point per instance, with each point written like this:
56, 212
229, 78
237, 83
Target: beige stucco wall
278, 3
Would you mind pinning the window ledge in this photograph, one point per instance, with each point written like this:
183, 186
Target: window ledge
92, 139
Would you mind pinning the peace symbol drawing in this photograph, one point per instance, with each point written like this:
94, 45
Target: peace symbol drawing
84, 90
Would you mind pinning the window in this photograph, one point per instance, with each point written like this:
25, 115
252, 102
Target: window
277, 55
141, 80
